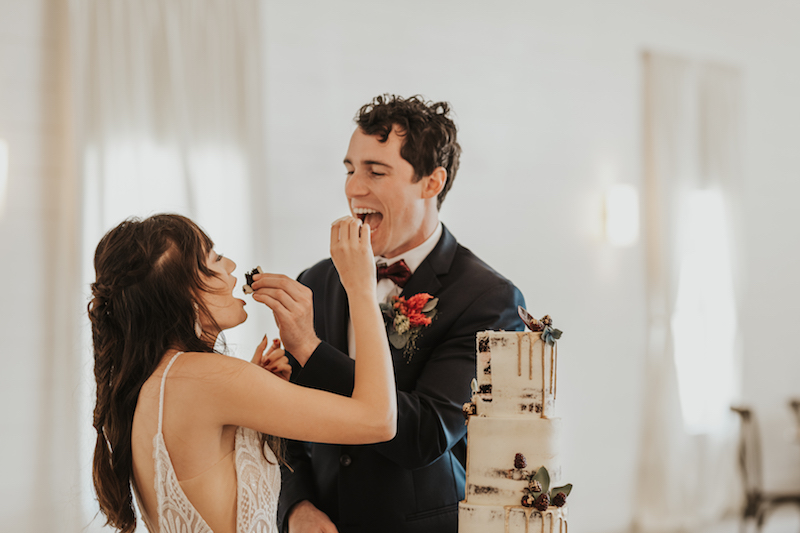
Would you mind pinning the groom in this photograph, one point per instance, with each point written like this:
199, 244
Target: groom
401, 162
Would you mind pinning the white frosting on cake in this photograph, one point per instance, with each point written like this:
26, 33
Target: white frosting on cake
514, 410
516, 370
492, 444
510, 519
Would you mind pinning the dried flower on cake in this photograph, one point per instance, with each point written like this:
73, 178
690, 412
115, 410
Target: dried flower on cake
551, 335
528, 319
468, 409
527, 500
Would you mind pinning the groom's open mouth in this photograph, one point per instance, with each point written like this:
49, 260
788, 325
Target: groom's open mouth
369, 216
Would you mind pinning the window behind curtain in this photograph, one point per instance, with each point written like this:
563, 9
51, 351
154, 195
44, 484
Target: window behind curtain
704, 319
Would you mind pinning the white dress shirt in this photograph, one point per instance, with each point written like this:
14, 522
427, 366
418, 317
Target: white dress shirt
387, 288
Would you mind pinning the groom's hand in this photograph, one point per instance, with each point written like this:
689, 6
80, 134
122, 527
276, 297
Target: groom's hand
306, 518
293, 306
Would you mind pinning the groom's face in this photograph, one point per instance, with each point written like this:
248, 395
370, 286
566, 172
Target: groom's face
381, 191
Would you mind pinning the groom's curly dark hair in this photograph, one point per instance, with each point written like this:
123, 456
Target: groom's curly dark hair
429, 133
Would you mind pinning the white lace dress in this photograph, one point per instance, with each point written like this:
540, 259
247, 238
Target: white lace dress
258, 485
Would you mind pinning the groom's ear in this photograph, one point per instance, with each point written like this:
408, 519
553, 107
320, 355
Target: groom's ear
434, 183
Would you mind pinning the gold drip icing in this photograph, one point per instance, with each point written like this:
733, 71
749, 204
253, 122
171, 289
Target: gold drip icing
530, 359
562, 523
555, 372
519, 355
552, 370
550, 514
543, 374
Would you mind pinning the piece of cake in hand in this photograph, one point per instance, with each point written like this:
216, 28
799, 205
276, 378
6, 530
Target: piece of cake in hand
248, 279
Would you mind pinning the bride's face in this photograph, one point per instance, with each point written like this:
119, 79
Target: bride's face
226, 310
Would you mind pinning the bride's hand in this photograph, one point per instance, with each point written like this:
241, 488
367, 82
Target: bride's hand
274, 359
351, 251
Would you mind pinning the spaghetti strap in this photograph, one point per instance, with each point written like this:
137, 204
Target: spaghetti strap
161, 394
257, 478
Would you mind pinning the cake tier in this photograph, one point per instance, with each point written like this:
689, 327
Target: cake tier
516, 374
510, 519
492, 444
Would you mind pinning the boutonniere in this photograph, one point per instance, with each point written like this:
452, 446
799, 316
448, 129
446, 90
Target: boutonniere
405, 319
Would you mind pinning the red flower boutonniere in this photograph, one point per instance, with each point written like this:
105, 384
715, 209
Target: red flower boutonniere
405, 319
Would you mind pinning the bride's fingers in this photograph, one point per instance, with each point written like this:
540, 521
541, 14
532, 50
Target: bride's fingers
258, 356
282, 369
340, 220
335, 232
275, 362
276, 343
366, 235
354, 229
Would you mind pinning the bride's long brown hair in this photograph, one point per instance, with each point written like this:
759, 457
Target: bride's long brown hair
148, 275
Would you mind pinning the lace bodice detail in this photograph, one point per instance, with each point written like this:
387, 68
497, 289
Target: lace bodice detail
257, 484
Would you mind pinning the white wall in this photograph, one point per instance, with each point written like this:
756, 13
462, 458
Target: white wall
547, 96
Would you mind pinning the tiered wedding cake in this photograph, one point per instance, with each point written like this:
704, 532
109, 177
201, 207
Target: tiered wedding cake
513, 467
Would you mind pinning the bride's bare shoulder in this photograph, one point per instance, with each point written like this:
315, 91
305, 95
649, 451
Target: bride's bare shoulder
205, 367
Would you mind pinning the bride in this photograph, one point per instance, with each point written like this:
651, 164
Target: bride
196, 434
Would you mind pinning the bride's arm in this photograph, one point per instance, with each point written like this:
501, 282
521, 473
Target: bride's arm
243, 394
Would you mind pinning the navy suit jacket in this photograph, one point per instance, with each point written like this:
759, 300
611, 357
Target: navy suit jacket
414, 482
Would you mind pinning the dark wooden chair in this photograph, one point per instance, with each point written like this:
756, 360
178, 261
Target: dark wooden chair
794, 405
758, 503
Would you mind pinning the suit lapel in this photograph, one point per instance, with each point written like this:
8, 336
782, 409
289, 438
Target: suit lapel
426, 277
423, 280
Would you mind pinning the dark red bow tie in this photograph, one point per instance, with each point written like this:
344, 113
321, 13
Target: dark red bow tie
397, 272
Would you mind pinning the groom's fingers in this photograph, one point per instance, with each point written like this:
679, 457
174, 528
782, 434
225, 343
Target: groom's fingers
292, 303
270, 302
280, 295
293, 295
292, 287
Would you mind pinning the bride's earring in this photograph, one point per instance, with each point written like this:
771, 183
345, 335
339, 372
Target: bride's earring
198, 329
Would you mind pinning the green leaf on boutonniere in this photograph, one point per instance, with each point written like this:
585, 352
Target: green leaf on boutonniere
430, 305
397, 340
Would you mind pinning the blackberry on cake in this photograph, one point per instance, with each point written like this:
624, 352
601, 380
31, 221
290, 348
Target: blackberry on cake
559, 499
519, 461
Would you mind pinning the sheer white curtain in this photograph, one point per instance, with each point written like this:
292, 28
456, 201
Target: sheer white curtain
170, 118
688, 470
